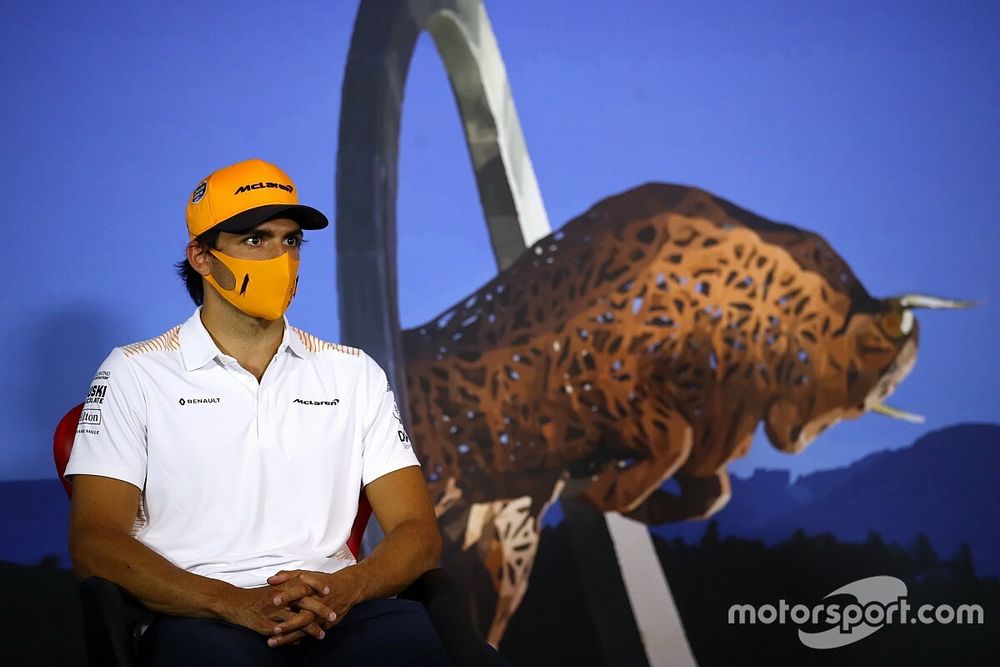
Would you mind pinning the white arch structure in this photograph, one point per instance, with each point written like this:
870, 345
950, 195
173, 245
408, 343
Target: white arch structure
382, 45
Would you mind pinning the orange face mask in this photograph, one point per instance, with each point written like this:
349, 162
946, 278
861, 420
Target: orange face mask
259, 287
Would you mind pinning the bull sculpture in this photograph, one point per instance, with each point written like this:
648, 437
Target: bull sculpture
643, 341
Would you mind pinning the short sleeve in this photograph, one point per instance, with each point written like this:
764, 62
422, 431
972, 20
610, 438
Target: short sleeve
386, 447
111, 436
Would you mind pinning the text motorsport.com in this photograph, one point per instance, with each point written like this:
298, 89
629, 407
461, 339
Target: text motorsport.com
880, 601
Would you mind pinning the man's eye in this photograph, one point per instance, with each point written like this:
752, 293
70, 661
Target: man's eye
253, 240
294, 241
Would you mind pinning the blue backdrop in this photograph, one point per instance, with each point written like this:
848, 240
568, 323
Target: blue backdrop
873, 124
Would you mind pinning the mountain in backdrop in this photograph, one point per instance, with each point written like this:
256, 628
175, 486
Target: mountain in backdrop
943, 486
34, 522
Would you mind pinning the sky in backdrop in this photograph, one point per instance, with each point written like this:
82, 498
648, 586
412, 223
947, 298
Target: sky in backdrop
874, 124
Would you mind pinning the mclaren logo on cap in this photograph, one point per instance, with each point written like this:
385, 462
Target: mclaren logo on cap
261, 185
199, 192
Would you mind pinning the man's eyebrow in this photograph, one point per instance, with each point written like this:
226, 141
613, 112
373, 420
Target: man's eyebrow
267, 233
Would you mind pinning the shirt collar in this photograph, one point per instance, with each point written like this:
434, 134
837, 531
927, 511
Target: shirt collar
290, 340
198, 348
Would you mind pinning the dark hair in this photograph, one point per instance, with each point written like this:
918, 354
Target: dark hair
192, 279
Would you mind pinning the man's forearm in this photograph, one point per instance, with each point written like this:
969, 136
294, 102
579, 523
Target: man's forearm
155, 581
403, 555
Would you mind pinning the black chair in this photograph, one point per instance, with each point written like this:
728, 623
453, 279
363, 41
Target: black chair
113, 620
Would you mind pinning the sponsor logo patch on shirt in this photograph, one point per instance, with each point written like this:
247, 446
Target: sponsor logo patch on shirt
197, 401
96, 394
90, 421
302, 401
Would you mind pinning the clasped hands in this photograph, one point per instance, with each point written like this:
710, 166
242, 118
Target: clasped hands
296, 604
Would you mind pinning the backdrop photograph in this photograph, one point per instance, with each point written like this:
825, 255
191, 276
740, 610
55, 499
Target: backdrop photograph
688, 308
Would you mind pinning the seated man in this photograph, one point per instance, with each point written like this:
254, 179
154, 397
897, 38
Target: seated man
217, 476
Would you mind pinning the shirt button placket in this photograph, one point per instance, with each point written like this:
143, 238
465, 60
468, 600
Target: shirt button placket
264, 408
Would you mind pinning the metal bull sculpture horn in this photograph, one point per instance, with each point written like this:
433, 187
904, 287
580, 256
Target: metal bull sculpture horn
644, 340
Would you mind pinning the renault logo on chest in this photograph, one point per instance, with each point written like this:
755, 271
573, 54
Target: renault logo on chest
198, 401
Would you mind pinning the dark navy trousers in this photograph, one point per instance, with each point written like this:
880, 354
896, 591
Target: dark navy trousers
377, 632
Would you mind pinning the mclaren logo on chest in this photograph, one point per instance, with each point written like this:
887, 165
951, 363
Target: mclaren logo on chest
301, 401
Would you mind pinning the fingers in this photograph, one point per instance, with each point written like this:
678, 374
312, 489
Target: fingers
317, 581
290, 592
311, 630
318, 608
281, 577
292, 638
298, 611
298, 584
303, 620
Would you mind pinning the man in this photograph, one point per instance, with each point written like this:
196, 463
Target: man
217, 475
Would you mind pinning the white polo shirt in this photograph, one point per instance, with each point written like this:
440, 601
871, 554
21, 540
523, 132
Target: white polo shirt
241, 479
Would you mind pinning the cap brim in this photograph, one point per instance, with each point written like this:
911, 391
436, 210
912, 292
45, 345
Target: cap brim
306, 216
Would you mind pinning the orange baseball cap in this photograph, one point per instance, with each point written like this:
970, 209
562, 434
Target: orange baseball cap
243, 195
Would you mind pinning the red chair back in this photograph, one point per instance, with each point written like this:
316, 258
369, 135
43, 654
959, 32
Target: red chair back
62, 445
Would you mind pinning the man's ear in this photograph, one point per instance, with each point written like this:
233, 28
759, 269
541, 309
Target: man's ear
198, 257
